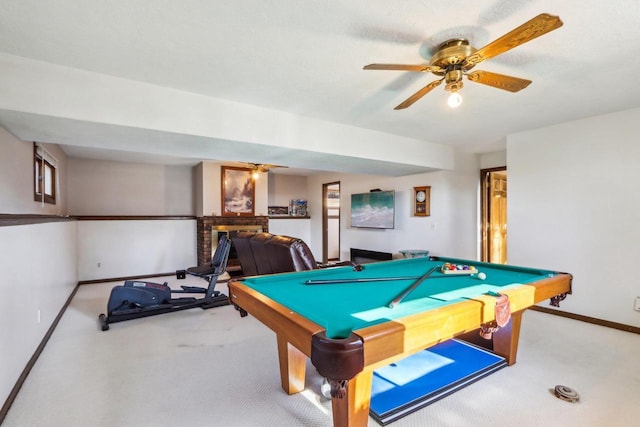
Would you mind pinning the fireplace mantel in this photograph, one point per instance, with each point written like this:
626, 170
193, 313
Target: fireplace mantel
205, 223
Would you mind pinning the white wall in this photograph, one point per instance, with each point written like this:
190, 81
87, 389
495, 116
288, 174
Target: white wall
294, 227
573, 206
100, 187
109, 249
451, 230
214, 127
39, 272
495, 159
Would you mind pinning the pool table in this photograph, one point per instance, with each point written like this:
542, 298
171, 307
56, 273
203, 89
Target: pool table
348, 329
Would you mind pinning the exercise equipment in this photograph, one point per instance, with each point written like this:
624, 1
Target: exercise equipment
136, 298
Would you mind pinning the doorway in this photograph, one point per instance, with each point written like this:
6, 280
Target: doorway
331, 222
494, 214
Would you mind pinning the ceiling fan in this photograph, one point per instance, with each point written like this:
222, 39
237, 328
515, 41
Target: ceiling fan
263, 167
456, 57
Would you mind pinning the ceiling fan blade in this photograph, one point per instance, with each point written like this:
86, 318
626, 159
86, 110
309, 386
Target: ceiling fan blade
419, 94
267, 167
403, 67
264, 167
500, 81
528, 31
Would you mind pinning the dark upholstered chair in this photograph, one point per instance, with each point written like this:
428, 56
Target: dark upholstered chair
289, 254
259, 251
242, 244
265, 253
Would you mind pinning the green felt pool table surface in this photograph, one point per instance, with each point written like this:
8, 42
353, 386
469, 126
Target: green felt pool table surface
344, 307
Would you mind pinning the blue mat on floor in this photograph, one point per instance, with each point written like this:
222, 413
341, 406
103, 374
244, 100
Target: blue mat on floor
419, 380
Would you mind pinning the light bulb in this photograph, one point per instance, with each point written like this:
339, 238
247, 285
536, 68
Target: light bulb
255, 175
454, 100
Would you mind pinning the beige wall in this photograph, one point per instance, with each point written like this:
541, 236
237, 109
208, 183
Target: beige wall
283, 188
100, 187
208, 190
16, 178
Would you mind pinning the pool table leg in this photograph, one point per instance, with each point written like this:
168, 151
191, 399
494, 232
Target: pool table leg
505, 339
293, 365
353, 409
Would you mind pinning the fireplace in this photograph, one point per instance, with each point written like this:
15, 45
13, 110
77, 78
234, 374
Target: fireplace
210, 227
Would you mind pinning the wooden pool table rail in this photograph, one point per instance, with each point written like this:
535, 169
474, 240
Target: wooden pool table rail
392, 340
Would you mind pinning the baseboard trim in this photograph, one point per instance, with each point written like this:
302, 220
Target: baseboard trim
32, 361
588, 319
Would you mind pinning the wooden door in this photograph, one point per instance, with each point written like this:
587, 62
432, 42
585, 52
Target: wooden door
330, 222
494, 215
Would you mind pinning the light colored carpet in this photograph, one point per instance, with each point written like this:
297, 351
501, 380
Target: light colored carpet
213, 368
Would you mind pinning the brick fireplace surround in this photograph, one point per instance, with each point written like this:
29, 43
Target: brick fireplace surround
204, 225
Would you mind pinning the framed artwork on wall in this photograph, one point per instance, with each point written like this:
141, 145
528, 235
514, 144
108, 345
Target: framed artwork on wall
238, 192
422, 201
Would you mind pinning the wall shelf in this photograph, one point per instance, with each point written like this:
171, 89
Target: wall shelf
288, 217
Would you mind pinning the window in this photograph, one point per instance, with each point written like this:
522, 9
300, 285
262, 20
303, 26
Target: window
44, 166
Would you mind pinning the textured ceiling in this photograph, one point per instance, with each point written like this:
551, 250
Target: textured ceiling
306, 58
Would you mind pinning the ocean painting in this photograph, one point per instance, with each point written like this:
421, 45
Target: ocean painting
237, 192
373, 210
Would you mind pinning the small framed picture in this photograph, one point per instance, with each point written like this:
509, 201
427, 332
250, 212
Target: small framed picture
278, 210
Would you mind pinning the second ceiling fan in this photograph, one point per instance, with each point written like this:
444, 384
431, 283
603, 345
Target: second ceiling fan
456, 57
263, 167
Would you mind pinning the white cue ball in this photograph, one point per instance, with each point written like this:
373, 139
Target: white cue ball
482, 276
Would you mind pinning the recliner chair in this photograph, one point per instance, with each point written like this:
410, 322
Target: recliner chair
242, 244
289, 254
259, 250
265, 253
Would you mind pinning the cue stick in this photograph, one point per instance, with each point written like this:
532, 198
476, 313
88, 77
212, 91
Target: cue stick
372, 279
407, 291
360, 280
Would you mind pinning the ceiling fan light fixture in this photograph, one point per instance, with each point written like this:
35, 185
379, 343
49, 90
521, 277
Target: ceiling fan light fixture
455, 99
456, 57
454, 84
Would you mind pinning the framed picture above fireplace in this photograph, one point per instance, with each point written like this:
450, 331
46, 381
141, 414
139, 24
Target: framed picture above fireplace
238, 192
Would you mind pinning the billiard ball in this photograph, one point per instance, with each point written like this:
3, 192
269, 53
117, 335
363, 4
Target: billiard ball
482, 276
